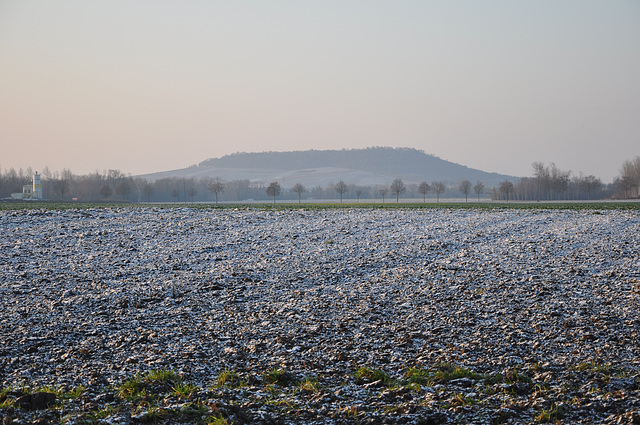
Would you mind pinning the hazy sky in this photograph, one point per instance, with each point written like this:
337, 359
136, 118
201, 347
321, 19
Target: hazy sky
152, 85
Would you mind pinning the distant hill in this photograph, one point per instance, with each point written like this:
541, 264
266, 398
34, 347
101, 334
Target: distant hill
370, 166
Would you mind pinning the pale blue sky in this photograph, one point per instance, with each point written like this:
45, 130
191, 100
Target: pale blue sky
146, 86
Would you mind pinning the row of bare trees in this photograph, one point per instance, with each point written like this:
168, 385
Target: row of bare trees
548, 182
397, 189
113, 185
340, 190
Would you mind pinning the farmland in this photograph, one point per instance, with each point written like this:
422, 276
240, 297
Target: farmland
321, 314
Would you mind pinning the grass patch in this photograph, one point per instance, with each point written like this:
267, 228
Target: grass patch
494, 378
284, 402
149, 385
148, 398
6, 403
445, 372
184, 390
162, 376
155, 414
197, 409
73, 394
216, 420
96, 415
514, 376
593, 366
309, 384
461, 400
63, 395
365, 375
229, 379
132, 388
542, 388
553, 414
279, 376
418, 376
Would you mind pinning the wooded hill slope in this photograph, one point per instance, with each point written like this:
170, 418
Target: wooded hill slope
369, 166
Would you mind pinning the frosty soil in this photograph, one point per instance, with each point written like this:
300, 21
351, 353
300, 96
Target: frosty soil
537, 310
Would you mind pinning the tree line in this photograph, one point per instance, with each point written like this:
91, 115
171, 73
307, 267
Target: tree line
548, 182
113, 185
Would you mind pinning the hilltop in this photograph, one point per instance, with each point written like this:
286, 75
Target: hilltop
369, 166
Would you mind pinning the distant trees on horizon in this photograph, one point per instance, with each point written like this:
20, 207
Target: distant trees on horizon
547, 183
628, 182
216, 186
341, 188
299, 189
274, 190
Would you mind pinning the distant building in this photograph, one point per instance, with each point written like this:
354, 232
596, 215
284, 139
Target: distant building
31, 191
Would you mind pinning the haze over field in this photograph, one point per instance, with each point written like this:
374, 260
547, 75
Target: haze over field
151, 86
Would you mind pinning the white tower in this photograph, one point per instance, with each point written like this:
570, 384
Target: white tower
37, 187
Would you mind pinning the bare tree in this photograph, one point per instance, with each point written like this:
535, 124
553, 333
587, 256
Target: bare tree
174, 194
589, 184
138, 184
541, 174
478, 189
299, 189
383, 192
398, 188
105, 191
123, 188
46, 173
423, 189
358, 192
559, 180
630, 178
274, 190
465, 187
191, 193
505, 188
63, 183
115, 175
217, 187
341, 188
147, 189
438, 188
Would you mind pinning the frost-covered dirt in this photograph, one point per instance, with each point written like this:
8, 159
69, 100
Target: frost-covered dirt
538, 309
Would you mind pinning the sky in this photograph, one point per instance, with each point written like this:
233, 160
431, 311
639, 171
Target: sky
153, 85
